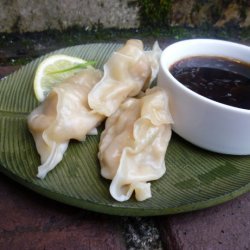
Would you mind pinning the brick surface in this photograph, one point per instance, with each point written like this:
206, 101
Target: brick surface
6, 70
31, 221
223, 227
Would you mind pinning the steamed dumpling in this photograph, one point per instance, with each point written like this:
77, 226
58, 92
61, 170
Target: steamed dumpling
126, 73
133, 145
64, 115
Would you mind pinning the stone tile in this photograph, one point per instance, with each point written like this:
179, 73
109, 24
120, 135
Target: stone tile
225, 226
40, 16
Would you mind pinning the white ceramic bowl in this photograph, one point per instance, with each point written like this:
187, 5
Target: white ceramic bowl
206, 123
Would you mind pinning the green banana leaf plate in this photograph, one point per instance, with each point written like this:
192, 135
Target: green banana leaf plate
194, 179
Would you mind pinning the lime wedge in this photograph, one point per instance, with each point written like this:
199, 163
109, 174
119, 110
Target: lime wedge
53, 70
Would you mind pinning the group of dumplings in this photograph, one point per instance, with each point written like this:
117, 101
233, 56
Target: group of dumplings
138, 122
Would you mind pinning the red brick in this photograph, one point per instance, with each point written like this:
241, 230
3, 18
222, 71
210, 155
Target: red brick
30, 221
6, 70
226, 226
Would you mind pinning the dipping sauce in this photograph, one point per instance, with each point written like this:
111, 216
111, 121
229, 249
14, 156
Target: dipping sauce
221, 79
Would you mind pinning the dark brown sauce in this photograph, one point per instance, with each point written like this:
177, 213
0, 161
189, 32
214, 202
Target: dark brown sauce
220, 79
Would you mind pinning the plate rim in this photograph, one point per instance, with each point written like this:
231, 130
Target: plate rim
112, 209
124, 211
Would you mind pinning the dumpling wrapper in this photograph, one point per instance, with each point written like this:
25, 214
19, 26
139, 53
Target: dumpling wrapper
133, 145
64, 115
128, 71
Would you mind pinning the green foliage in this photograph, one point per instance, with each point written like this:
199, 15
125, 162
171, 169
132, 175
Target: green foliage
154, 13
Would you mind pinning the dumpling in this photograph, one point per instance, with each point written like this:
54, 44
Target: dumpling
126, 73
64, 115
154, 58
133, 145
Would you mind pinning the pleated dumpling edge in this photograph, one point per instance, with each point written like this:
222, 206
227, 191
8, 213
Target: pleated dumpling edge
133, 145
